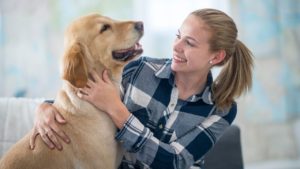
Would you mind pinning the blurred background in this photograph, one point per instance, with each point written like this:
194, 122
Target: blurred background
31, 43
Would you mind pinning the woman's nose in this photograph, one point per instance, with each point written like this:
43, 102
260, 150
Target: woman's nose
177, 47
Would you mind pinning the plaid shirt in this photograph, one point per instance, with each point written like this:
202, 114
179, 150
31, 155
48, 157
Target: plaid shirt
165, 132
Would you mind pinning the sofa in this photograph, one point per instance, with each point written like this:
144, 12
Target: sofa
17, 118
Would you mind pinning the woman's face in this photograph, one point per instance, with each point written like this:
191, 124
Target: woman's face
191, 52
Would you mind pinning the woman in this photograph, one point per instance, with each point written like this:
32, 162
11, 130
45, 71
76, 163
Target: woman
172, 111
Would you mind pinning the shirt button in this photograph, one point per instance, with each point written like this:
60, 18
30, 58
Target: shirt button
172, 104
160, 126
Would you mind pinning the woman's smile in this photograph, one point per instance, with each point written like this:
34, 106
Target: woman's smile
179, 59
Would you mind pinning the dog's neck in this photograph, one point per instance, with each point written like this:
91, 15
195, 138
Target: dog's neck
68, 100
114, 75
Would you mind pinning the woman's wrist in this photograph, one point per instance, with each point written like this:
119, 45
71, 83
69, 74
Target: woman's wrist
119, 114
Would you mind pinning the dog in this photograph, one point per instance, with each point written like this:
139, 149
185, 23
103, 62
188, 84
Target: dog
92, 42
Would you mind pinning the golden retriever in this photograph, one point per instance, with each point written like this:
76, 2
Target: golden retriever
92, 42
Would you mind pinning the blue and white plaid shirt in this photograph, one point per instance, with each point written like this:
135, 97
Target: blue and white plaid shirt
165, 132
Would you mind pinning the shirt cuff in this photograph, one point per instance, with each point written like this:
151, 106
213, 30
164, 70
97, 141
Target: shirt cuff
133, 135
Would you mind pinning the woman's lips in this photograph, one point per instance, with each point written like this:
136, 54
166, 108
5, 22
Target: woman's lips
178, 59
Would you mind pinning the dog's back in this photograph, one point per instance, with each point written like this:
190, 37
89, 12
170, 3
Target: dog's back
21, 157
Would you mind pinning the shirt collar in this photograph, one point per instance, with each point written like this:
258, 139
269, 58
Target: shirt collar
165, 72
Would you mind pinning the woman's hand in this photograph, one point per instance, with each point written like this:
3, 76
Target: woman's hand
45, 124
102, 93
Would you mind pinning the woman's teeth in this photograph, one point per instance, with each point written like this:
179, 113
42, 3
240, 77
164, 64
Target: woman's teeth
179, 59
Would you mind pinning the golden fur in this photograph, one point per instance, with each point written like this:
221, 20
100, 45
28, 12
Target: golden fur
91, 42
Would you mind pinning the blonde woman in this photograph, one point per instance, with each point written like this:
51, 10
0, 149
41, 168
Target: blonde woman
172, 112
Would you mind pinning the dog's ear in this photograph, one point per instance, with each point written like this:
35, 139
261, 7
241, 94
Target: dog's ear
74, 66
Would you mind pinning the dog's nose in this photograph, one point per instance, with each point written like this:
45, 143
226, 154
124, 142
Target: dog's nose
139, 26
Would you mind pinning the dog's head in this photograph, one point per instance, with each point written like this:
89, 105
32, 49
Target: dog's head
98, 42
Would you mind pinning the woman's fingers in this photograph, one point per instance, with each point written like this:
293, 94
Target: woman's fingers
60, 133
48, 136
53, 139
32, 138
95, 76
84, 91
105, 76
81, 93
46, 139
59, 118
90, 83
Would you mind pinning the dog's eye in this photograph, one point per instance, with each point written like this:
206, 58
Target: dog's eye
104, 28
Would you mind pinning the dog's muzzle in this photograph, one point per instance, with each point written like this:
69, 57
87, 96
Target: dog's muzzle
136, 49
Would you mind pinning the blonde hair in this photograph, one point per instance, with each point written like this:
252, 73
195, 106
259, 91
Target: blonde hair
235, 77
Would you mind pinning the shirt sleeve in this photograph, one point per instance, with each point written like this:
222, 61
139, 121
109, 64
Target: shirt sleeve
181, 153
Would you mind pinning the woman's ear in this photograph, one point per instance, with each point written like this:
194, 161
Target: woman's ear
218, 57
74, 66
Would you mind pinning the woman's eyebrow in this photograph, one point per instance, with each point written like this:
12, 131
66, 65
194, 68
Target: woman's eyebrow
189, 37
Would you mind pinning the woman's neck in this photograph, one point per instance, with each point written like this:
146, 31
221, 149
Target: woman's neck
189, 85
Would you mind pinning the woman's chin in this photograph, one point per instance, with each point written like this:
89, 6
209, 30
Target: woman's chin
176, 67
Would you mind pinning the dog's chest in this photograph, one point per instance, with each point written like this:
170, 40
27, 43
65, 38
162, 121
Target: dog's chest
92, 141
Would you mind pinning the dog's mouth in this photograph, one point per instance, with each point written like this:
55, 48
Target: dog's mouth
127, 54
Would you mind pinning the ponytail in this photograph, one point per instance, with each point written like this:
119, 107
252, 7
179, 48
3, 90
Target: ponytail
235, 78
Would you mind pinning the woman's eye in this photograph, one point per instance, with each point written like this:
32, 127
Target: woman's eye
189, 43
104, 28
177, 36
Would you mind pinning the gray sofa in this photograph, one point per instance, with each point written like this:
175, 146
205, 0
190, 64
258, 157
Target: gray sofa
17, 116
